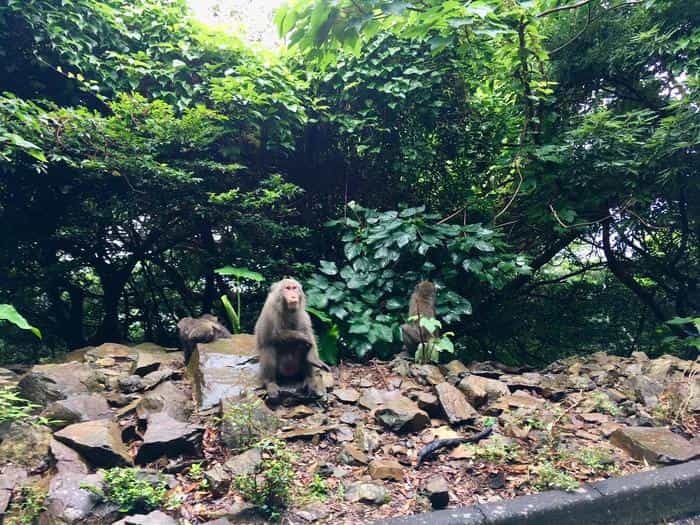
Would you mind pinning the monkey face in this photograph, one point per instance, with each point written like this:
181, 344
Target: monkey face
291, 295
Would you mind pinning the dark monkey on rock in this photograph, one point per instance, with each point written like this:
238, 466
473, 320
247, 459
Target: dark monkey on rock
285, 341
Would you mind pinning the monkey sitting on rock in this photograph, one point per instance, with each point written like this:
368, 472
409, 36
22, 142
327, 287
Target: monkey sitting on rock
421, 305
204, 329
285, 341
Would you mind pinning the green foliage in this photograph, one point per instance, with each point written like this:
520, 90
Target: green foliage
546, 476
27, 504
131, 490
234, 315
429, 351
385, 254
8, 313
603, 404
14, 407
271, 487
318, 489
597, 459
327, 337
245, 421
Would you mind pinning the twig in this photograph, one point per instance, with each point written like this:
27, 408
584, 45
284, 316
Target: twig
515, 194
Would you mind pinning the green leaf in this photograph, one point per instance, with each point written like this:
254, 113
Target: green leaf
328, 267
240, 273
8, 313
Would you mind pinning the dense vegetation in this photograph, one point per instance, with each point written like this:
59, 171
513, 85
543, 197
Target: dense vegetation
538, 160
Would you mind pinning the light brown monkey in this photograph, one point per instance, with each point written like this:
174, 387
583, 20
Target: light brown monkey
285, 341
204, 329
422, 304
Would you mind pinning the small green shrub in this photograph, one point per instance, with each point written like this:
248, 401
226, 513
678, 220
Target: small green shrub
318, 489
603, 404
26, 506
130, 490
548, 476
495, 450
247, 422
597, 459
429, 351
271, 487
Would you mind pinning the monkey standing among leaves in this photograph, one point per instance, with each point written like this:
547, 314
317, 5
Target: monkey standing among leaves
285, 340
205, 329
422, 304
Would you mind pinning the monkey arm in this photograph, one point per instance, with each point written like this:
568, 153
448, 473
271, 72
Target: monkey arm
292, 337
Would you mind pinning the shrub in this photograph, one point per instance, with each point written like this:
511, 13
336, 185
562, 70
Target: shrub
131, 490
271, 487
385, 254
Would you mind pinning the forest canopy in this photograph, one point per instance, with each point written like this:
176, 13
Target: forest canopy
537, 160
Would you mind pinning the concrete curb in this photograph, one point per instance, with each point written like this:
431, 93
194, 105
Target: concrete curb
638, 499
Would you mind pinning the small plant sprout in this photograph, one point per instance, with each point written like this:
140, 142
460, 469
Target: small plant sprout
548, 476
429, 351
234, 314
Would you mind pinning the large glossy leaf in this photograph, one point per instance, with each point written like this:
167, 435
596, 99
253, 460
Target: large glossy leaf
9, 314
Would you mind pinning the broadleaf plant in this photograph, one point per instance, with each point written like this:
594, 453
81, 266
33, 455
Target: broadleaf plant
385, 253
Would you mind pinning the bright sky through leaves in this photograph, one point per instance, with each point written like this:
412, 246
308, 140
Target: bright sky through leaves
254, 18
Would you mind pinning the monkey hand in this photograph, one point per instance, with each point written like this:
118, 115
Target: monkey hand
293, 337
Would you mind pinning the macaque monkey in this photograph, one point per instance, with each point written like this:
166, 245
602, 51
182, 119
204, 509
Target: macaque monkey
422, 304
204, 329
285, 341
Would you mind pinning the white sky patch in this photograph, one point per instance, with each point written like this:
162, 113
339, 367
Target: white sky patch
252, 20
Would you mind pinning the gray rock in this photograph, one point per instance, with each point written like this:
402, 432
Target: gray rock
455, 405
152, 357
8, 378
11, 476
244, 464
438, 492
223, 368
346, 395
367, 493
26, 445
256, 422
131, 384
454, 371
427, 374
154, 518
68, 503
402, 415
166, 398
351, 455
219, 480
67, 459
153, 379
386, 469
44, 384
430, 403
646, 390
116, 358
97, 441
655, 445
480, 390
75, 409
166, 436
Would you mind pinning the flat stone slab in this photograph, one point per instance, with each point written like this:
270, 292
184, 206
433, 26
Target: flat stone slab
655, 445
44, 384
654, 496
97, 441
223, 368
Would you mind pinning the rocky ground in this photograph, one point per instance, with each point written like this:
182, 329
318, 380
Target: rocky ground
358, 455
